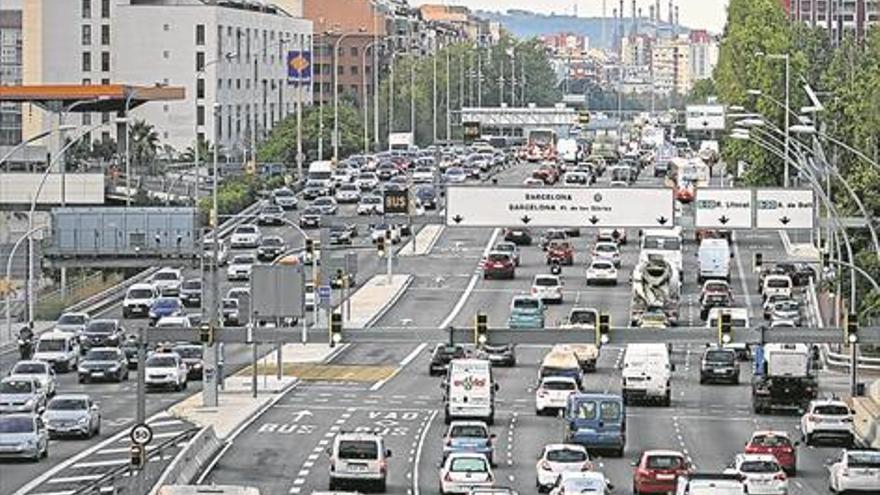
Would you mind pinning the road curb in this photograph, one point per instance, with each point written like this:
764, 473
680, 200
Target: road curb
391, 302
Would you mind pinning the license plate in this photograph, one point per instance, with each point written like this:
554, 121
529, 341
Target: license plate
357, 467
665, 477
719, 372
97, 373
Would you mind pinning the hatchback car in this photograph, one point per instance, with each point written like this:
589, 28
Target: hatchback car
370, 205
657, 471
719, 365
191, 292
246, 236
778, 444
165, 306
547, 288
167, 281
787, 310
827, 419
463, 471
165, 370
561, 252
241, 266
442, 355
520, 236
21, 395
500, 355
607, 251
101, 333
552, 393
23, 436
526, 312
271, 247
327, 205
510, 248
499, 265
103, 363
72, 415
310, 217
38, 370
601, 271
348, 193
285, 198
582, 483
191, 354
855, 471
558, 458
761, 473
73, 323
271, 215
469, 436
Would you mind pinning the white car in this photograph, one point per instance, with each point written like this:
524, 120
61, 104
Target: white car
165, 370
463, 471
582, 483
558, 458
612, 235
348, 193
547, 288
601, 271
423, 175
246, 236
382, 230
138, 300
533, 182
367, 181
326, 204
285, 198
342, 176
776, 285
174, 322
39, 371
553, 393
827, 419
74, 323
855, 471
370, 205
240, 267
761, 472
167, 281
607, 251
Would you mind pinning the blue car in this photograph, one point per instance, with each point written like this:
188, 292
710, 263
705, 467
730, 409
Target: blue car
526, 312
165, 306
596, 421
469, 436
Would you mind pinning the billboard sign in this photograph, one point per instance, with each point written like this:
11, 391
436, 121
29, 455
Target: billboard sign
299, 66
704, 118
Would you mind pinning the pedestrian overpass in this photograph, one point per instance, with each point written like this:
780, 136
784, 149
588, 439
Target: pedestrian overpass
518, 121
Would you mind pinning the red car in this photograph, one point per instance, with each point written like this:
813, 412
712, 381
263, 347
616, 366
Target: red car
777, 443
498, 265
657, 471
685, 194
561, 252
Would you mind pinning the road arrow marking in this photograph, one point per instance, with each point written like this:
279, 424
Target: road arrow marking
298, 415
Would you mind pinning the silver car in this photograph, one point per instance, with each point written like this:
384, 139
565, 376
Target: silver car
72, 415
21, 395
23, 436
39, 370
74, 323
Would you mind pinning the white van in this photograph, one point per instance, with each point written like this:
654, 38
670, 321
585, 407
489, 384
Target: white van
776, 285
647, 374
714, 256
321, 170
567, 149
665, 242
59, 349
469, 390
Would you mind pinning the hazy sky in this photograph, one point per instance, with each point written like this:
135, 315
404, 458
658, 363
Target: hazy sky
710, 14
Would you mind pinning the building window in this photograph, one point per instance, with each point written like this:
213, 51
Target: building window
340, 70
105, 61
219, 41
354, 70
166, 54
354, 51
166, 27
316, 87
105, 9
219, 84
86, 81
86, 119
200, 115
200, 87
105, 34
200, 61
340, 88
87, 62
86, 35
105, 81
354, 89
200, 34
105, 117
86, 9
238, 84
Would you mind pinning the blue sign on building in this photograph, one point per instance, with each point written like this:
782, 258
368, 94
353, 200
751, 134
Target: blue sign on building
299, 66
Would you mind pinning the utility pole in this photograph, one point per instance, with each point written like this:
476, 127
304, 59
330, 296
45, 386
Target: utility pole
448, 121
412, 83
480, 75
434, 100
391, 98
321, 109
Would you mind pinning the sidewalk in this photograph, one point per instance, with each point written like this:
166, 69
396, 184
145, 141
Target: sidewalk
370, 302
424, 241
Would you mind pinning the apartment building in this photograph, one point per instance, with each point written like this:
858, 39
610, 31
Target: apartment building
10, 69
670, 61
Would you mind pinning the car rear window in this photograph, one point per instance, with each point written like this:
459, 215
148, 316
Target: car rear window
566, 455
720, 356
29, 368
16, 387
94, 355
67, 405
140, 294
778, 283
546, 282
468, 465
831, 410
471, 431
558, 385
864, 460
161, 362
610, 410
498, 257
101, 327
771, 441
72, 320
526, 303
759, 467
664, 462
358, 449
583, 317
586, 410
16, 425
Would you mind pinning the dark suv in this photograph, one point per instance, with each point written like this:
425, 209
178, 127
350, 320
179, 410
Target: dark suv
101, 333
442, 355
719, 365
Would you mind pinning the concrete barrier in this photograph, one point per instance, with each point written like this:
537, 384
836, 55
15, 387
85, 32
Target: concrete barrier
189, 461
866, 421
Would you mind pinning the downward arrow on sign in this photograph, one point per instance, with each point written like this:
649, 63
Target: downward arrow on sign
457, 219
723, 219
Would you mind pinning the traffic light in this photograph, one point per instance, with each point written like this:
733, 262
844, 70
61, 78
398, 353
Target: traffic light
206, 334
725, 329
758, 260
584, 117
310, 246
481, 329
852, 328
138, 456
335, 328
603, 330
380, 245
340, 277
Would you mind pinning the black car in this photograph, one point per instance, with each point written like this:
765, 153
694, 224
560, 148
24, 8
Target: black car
426, 197
340, 234
270, 248
103, 363
231, 312
800, 273
719, 365
714, 300
191, 355
101, 333
442, 355
310, 218
518, 236
191, 292
129, 347
500, 355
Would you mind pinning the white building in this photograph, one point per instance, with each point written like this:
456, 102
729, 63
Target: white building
703, 55
670, 61
10, 69
230, 57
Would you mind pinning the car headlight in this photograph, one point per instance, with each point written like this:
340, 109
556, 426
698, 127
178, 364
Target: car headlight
197, 366
113, 368
83, 420
82, 370
30, 403
153, 314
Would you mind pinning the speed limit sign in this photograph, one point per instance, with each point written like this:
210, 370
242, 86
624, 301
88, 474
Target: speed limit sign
141, 434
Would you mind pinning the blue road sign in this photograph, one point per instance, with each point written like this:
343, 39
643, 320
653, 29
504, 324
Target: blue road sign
324, 292
299, 66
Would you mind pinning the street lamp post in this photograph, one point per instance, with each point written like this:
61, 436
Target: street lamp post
336, 90
787, 59
364, 100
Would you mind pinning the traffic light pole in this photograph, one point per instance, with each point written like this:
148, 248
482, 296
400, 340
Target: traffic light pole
141, 406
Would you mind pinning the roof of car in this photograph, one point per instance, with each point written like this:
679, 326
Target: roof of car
564, 446
665, 452
358, 436
71, 397
770, 433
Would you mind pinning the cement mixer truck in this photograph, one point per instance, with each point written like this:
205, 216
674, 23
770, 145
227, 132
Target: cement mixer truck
656, 286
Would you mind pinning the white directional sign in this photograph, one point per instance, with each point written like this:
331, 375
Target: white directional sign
497, 206
785, 208
723, 208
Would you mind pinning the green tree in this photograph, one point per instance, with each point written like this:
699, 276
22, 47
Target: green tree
206, 153
280, 146
144, 142
104, 149
702, 90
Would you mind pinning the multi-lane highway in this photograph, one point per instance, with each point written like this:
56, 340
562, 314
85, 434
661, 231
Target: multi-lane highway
284, 450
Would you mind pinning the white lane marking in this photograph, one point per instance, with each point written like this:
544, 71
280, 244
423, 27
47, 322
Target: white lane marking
114, 462
415, 478
164, 434
308, 464
65, 492
742, 280
75, 479
170, 422
408, 359
294, 490
470, 287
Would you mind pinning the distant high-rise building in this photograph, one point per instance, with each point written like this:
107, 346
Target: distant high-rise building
703, 55
838, 17
10, 69
670, 63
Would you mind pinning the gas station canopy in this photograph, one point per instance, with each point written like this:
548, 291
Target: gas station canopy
92, 98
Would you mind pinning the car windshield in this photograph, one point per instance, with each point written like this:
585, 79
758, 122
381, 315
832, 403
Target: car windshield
664, 462
662, 243
371, 200
470, 431
546, 282
720, 357
787, 306
140, 294
778, 283
16, 425
583, 317
505, 247
167, 302
312, 210
314, 184
69, 319
831, 410
283, 193
323, 202
450, 351
101, 327
67, 405
602, 265
566, 455
246, 229
165, 276
358, 449
16, 387
29, 369
51, 345
230, 304
189, 352
96, 355
273, 241
606, 248
526, 303
759, 467
770, 441
243, 259
498, 258
558, 385
863, 460
716, 287
455, 171
468, 465
161, 362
